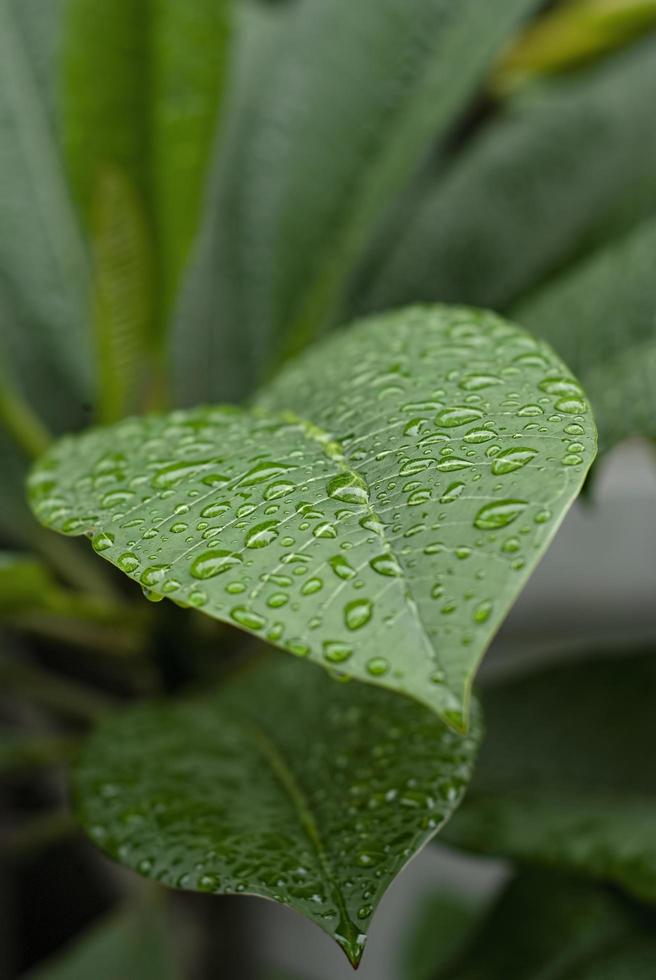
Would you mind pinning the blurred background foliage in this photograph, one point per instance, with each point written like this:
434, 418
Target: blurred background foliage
190, 192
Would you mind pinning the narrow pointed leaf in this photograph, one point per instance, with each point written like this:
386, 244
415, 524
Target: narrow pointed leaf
546, 926
565, 777
41, 252
572, 34
282, 785
123, 292
143, 84
569, 161
338, 131
379, 511
611, 298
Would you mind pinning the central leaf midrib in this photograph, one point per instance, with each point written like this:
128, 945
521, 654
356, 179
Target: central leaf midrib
301, 806
338, 457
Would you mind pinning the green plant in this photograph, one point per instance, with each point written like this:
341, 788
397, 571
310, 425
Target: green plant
194, 195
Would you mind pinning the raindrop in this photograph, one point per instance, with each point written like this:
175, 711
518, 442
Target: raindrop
498, 514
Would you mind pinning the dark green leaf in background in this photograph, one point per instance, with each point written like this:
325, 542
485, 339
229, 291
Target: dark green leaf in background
134, 944
42, 256
282, 784
443, 923
600, 316
546, 927
534, 188
347, 110
142, 90
379, 512
565, 777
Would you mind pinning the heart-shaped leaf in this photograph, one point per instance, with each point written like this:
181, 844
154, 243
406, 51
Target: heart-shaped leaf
379, 511
282, 785
565, 777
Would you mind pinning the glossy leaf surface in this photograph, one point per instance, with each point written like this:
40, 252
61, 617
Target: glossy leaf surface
379, 512
283, 785
544, 926
611, 298
565, 775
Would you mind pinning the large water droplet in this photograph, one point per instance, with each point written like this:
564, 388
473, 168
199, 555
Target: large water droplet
499, 514
214, 562
458, 415
358, 613
262, 534
512, 459
349, 488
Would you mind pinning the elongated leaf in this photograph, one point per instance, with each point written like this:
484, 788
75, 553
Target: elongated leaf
570, 35
123, 270
380, 510
444, 923
210, 357
563, 778
41, 252
545, 926
135, 944
24, 580
282, 785
19, 752
532, 191
142, 89
611, 300
338, 130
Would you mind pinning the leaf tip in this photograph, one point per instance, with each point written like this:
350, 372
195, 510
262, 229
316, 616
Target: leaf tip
351, 940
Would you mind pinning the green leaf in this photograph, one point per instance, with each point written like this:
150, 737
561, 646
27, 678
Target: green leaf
24, 580
572, 34
563, 778
134, 944
19, 752
444, 922
41, 253
142, 91
611, 298
123, 287
568, 161
544, 926
209, 356
338, 131
379, 511
283, 785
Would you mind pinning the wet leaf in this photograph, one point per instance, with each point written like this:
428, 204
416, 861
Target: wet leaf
565, 776
611, 298
282, 784
378, 512
544, 926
